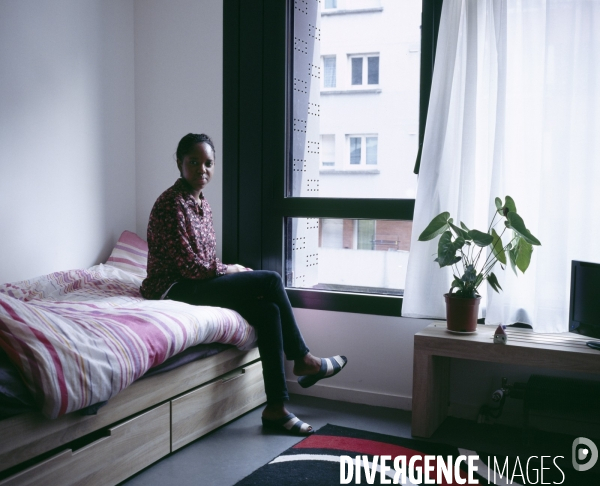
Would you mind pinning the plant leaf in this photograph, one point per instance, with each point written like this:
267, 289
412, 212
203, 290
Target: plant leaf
493, 281
457, 284
438, 225
464, 226
480, 238
509, 204
460, 232
447, 250
498, 203
523, 257
498, 247
518, 226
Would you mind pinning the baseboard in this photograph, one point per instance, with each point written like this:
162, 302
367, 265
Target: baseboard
352, 396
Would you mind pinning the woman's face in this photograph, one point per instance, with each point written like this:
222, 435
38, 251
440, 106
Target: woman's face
197, 166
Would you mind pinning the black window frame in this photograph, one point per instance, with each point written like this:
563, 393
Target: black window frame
257, 80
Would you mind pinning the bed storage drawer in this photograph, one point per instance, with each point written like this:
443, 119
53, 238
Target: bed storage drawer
210, 406
128, 447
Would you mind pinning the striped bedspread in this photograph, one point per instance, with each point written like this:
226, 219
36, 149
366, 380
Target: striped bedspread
81, 336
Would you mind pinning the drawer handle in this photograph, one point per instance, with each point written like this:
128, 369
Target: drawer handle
233, 376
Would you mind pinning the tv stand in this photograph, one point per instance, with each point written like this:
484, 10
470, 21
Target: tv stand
434, 347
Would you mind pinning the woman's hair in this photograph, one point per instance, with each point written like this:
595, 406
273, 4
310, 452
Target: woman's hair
187, 143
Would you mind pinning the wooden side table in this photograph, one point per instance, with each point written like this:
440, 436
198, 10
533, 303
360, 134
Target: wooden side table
434, 346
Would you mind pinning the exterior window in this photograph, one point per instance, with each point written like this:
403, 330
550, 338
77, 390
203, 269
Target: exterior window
373, 77
328, 150
365, 237
329, 72
361, 76
357, 70
330, 3
362, 150
371, 157
355, 150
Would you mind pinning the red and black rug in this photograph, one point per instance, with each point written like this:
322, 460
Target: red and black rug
340, 455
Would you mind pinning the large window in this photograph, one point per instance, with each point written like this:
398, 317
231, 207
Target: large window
319, 181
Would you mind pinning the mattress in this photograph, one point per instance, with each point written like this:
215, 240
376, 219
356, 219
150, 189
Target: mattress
77, 338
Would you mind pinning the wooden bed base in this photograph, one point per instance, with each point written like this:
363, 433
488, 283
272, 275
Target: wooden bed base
146, 421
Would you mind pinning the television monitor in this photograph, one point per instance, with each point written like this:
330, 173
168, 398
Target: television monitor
584, 310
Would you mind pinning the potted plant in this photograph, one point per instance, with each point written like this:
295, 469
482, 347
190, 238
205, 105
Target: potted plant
459, 244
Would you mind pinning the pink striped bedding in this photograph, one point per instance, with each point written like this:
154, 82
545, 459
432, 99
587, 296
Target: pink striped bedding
81, 336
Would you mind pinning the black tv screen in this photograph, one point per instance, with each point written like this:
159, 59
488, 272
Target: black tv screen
584, 311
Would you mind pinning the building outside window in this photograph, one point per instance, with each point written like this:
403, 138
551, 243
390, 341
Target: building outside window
330, 3
329, 67
362, 150
368, 145
364, 70
327, 150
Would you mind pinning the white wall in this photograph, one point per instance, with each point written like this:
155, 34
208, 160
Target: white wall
67, 181
379, 351
178, 89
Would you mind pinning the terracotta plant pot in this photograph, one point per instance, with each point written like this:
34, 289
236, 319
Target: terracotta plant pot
461, 313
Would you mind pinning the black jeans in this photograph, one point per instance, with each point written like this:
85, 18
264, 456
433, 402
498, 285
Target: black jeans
259, 297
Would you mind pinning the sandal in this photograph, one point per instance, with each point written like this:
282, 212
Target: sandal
290, 423
329, 367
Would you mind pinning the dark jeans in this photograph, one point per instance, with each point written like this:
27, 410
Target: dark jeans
259, 297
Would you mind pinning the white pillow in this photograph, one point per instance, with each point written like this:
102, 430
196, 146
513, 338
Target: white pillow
130, 254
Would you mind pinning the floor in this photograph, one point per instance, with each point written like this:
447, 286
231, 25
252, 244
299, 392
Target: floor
233, 451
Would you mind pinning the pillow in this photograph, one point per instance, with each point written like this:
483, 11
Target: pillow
130, 254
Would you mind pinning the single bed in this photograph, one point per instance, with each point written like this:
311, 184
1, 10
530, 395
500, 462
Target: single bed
85, 342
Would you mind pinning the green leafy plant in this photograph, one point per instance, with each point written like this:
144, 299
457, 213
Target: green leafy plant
460, 244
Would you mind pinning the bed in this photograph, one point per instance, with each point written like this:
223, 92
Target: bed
109, 381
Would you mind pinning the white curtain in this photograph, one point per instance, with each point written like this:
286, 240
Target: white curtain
514, 109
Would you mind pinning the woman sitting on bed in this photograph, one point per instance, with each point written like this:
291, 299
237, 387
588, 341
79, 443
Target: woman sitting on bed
182, 266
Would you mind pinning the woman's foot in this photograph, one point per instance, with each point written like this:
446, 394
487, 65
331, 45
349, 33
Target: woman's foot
309, 365
276, 416
329, 367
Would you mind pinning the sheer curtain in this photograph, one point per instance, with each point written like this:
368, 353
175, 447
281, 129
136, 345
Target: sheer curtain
514, 109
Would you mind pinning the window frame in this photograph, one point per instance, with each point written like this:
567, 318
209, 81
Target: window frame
362, 165
364, 84
258, 86
335, 73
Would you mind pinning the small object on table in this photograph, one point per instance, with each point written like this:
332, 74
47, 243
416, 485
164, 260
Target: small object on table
500, 336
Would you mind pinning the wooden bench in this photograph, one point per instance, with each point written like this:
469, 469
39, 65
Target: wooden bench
434, 346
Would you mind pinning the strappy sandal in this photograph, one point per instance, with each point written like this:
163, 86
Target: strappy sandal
329, 367
290, 423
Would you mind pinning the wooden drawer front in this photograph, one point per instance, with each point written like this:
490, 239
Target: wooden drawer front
210, 406
128, 448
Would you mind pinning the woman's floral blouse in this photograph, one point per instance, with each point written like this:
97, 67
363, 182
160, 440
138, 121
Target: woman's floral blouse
181, 241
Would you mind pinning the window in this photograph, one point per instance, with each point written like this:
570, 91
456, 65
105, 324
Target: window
362, 150
330, 3
327, 150
361, 76
277, 214
329, 71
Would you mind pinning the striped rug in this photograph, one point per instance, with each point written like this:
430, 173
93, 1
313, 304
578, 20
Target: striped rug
316, 461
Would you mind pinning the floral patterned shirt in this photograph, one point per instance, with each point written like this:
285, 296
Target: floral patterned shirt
181, 241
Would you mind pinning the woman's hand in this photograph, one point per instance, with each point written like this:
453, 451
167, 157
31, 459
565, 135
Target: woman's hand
236, 268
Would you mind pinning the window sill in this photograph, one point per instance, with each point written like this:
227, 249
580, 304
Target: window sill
379, 305
351, 91
349, 172
334, 11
